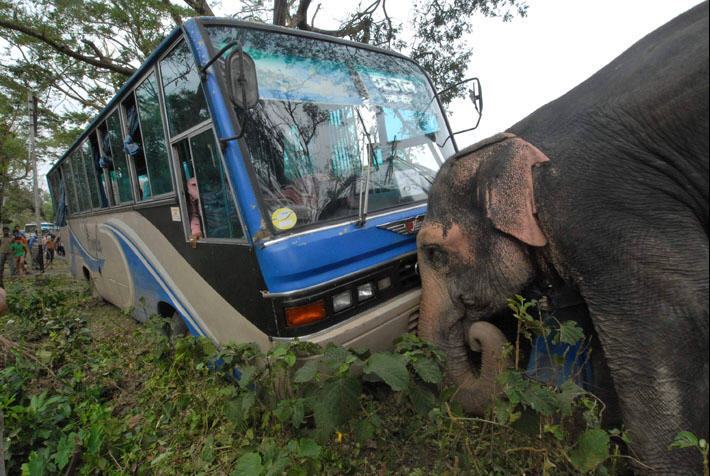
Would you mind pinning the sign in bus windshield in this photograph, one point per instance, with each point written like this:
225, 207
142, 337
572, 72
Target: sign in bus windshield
338, 130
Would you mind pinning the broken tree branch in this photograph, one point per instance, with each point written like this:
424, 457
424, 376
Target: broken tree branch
103, 63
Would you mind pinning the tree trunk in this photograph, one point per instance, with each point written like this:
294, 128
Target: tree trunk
280, 12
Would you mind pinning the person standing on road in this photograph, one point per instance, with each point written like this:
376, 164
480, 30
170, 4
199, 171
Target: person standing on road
19, 250
6, 254
23, 239
49, 246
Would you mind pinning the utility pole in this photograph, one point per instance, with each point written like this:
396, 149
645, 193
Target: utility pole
32, 113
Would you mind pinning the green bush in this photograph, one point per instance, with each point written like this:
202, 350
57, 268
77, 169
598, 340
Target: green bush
82, 386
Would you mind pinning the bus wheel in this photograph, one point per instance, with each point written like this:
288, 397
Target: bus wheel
176, 327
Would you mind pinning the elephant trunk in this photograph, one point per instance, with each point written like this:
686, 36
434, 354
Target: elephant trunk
475, 389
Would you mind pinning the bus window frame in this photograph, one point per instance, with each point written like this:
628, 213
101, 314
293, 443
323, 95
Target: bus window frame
108, 192
87, 143
108, 186
186, 135
129, 163
66, 162
161, 107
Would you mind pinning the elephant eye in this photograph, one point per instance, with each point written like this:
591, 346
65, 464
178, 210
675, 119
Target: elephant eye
435, 256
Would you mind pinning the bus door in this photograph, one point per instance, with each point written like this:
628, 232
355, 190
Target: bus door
209, 211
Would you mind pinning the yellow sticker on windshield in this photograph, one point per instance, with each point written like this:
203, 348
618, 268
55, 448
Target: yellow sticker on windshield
283, 218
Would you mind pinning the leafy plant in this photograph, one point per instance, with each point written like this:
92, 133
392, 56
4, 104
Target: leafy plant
687, 439
82, 386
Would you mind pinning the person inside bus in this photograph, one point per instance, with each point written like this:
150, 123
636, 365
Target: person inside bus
193, 207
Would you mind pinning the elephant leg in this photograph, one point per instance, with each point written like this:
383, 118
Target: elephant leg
651, 315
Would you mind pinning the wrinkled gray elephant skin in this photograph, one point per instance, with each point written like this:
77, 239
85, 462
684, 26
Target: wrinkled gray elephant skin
604, 190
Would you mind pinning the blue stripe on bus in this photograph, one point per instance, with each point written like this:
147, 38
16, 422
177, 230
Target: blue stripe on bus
94, 264
145, 277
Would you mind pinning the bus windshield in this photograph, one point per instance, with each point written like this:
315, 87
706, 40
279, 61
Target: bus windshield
338, 130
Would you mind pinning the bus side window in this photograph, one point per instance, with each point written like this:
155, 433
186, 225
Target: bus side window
152, 132
95, 155
217, 203
118, 168
133, 147
69, 181
81, 184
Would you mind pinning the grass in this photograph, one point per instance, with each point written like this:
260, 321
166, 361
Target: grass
84, 388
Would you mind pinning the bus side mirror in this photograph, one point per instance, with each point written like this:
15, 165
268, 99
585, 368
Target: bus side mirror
476, 96
241, 79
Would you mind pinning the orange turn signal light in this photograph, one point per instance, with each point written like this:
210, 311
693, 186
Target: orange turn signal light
302, 315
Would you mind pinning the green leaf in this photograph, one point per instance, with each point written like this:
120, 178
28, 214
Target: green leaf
307, 448
568, 393
364, 430
249, 464
284, 410
307, 372
422, 399
685, 439
592, 449
428, 370
335, 355
290, 359
391, 368
65, 448
555, 431
246, 375
299, 412
541, 399
208, 451
569, 333
36, 465
335, 403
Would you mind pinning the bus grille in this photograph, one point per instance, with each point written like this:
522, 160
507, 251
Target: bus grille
413, 323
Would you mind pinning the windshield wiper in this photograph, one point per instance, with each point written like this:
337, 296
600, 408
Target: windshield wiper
363, 200
418, 168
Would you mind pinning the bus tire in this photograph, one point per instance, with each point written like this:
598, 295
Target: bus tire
177, 326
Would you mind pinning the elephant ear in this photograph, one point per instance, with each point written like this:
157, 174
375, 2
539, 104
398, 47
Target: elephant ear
505, 189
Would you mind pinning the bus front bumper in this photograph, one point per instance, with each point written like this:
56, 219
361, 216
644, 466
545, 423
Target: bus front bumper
374, 329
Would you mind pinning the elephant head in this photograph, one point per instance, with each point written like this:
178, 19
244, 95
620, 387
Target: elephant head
473, 252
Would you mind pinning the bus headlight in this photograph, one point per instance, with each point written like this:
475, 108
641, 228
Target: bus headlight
342, 301
365, 292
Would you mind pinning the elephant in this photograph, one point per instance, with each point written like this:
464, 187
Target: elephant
603, 193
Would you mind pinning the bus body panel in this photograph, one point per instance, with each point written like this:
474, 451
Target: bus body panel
325, 255
157, 274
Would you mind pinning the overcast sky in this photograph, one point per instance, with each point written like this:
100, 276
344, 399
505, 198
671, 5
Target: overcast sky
530, 61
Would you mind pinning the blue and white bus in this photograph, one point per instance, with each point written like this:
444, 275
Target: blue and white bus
257, 184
